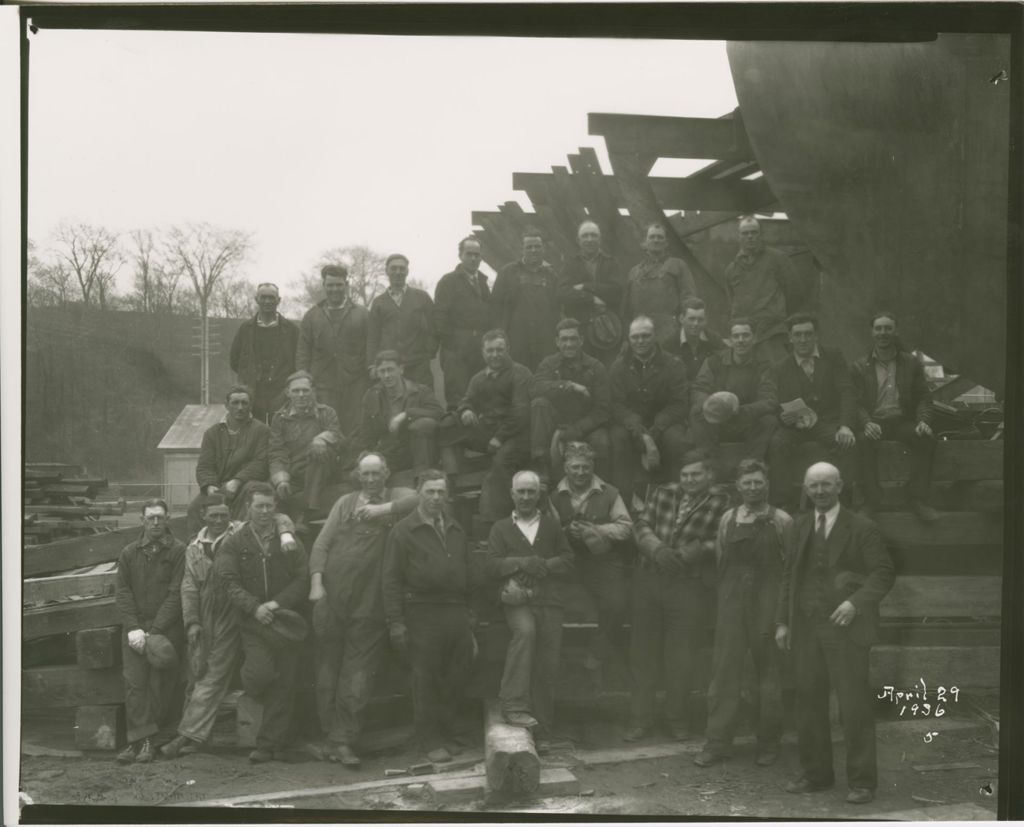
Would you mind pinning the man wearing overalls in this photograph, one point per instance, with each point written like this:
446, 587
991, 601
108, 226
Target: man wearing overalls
749, 550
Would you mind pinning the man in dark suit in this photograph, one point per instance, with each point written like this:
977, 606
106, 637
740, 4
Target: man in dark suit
837, 571
893, 402
824, 424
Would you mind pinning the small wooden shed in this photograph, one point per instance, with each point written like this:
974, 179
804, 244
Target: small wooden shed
180, 449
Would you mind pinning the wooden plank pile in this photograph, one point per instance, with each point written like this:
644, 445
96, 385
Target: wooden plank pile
60, 501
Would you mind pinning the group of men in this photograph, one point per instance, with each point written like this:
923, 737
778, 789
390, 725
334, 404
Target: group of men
576, 424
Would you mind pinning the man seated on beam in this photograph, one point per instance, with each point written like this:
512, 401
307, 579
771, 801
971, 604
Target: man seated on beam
211, 629
348, 610
893, 402
695, 343
232, 455
529, 555
570, 401
750, 551
649, 394
819, 378
428, 584
733, 397
148, 599
600, 532
494, 417
305, 444
400, 417
671, 593
266, 585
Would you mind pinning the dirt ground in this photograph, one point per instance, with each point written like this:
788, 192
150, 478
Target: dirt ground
664, 786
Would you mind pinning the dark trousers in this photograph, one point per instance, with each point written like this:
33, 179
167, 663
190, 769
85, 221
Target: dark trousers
817, 444
459, 364
626, 451
419, 372
347, 400
440, 659
268, 677
740, 628
607, 578
668, 615
348, 659
531, 663
512, 456
824, 655
308, 486
754, 432
545, 420
412, 447
922, 452
148, 693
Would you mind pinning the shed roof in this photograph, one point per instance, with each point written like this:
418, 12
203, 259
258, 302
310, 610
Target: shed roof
186, 434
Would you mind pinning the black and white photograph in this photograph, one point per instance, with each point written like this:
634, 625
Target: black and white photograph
466, 412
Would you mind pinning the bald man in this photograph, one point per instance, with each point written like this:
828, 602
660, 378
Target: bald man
836, 572
529, 555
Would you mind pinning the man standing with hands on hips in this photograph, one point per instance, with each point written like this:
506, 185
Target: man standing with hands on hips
837, 571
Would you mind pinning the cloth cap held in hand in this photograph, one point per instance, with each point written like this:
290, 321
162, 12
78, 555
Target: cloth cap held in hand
160, 652
721, 407
604, 330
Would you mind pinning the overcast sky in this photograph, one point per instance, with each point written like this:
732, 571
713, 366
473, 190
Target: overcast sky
317, 141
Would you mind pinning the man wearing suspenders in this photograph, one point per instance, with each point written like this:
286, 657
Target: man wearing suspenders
749, 550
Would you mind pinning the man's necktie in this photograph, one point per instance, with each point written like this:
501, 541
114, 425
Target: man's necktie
820, 530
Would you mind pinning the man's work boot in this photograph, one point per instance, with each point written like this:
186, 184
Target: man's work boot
523, 719
679, 731
261, 756
127, 755
180, 745
709, 756
344, 754
145, 753
636, 733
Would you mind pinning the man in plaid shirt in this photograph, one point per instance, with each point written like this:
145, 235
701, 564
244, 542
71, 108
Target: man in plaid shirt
671, 590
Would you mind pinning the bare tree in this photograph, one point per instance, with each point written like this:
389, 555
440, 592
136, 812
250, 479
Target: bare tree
232, 298
93, 256
49, 282
142, 254
366, 278
206, 254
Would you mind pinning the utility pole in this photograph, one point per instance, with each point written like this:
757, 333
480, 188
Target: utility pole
208, 342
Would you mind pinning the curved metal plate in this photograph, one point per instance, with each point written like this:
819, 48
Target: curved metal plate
891, 162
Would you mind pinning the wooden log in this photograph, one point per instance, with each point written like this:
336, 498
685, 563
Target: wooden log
86, 551
920, 633
931, 596
950, 495
962, 666
672, 137
955, 459
953, 528
48, 651
63, 587
100, 727
52, 469
102, 510
51, 687
98, 648
69, 616
966, 558
512, 765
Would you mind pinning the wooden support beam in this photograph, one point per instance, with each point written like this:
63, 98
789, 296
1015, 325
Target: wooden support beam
50, 687
669, 137
69, 616
964, 495
62, 587
86, 551
98, 648
936, 596
512, 765
726, 170
961, 666
734, 197
956, 528
103, 510
99, 727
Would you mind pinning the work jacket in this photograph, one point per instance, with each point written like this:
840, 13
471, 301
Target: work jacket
291, 434
419, 402
332, 345
148, 586
420, 567
607, 284
914, 396
501, 401
461, 314
218, 462
582, 413
757, 286
274, 371
830, 394
252, 578
407, 327
648, 399
602, 510
508, 548
753, 382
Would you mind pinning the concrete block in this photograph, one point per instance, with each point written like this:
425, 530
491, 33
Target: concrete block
98, 648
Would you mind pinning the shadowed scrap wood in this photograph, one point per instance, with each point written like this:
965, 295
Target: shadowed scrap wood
513, 767
67, 586
69, 616
51, 687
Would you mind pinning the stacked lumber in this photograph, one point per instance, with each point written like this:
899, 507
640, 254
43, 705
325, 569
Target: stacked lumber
60, 501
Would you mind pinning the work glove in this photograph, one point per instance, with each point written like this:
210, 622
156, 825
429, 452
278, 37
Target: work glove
667, 560
691, 551
137, 639
284, 490
193, 633
318, 449
535, 566
399, 636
